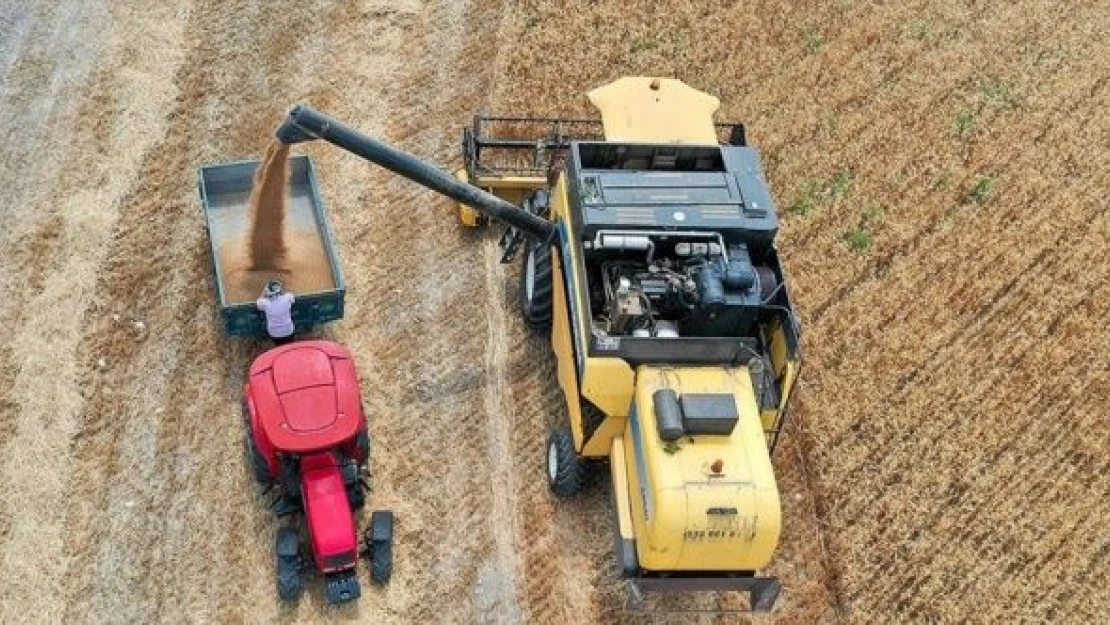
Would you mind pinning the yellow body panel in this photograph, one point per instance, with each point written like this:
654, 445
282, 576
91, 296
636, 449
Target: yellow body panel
562, 341
778, 349
497, 184
606, 382
655, 110
468, 216
767, 419
512, 189
673, 488
619, 473
600, 444
784, 364
788, 383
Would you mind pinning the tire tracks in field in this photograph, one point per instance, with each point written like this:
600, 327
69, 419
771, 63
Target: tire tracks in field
501, 453
536, 548
462, 364
161, 499
40, 98
562, 550
482, 537
81, 191
1001, 225
418, 318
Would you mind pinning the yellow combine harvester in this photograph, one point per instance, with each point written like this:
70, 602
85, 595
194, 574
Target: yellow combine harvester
653, 263
675, 337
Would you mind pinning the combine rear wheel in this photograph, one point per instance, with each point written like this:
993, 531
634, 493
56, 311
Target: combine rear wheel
565, 472
289, 582
536, 286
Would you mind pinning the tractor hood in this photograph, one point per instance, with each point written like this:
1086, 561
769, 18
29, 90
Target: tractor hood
702, 490
307, 396
305, 384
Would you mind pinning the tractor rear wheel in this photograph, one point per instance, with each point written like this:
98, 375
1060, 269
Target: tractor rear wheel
289, 582
356, 496
565, 472
352, 478
259, 467
362, 442
536, 286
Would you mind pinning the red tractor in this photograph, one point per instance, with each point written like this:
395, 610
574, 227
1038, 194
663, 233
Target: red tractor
307, 438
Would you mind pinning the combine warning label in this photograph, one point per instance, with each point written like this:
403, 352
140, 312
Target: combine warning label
721, 524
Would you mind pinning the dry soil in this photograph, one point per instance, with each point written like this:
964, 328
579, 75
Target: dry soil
941, 169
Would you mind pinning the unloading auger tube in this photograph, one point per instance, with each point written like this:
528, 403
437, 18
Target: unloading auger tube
305, 124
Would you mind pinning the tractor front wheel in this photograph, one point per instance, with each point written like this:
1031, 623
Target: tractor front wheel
381, 546
565, 472
381, 562
289, 582
536, 286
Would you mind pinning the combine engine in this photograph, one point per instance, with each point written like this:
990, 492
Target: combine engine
652, 264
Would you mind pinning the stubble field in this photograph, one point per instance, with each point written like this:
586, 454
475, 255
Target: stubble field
941, 170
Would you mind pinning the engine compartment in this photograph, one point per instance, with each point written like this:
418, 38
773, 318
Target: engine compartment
672, 284
677, 242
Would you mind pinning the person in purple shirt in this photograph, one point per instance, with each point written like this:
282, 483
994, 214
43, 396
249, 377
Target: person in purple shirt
277, 305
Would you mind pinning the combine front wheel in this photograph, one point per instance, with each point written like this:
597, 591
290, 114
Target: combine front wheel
536, 286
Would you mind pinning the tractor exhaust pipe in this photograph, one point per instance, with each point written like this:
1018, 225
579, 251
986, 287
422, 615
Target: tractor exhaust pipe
305, 124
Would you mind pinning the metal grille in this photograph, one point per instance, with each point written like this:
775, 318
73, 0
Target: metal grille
332, 563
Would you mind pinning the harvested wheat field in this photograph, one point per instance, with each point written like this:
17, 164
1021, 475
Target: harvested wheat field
941, 170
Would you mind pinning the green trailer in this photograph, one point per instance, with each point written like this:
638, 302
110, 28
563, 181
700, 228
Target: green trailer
225, 196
